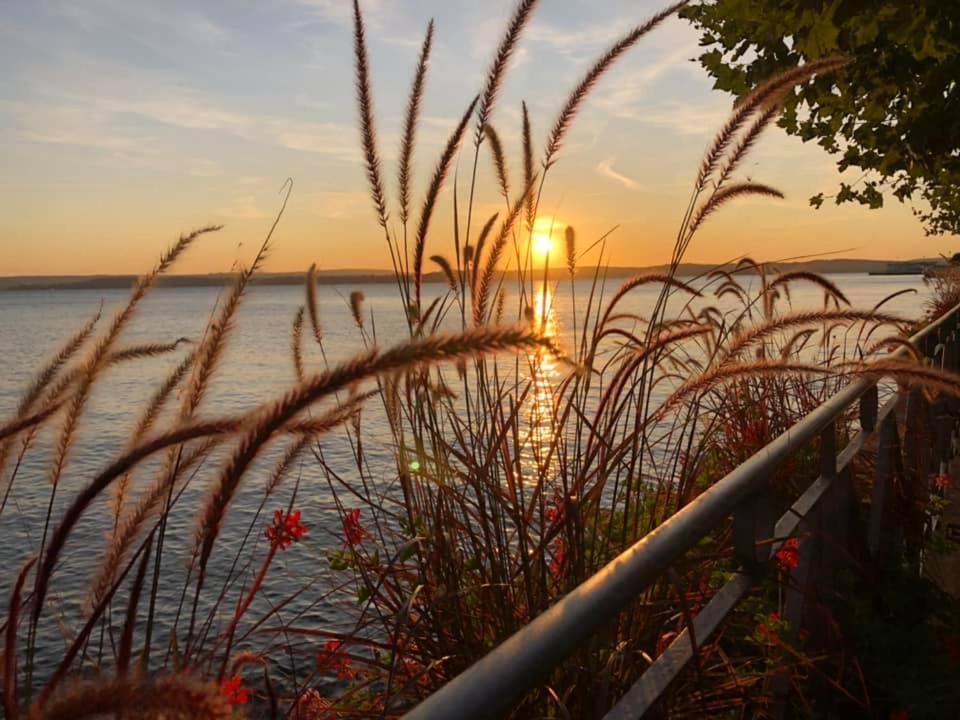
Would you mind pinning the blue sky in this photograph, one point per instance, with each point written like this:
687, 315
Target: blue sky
123, 123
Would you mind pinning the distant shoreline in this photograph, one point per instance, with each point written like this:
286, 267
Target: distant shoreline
366, 277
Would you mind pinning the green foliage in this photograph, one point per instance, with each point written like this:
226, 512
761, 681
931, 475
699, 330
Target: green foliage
892, 113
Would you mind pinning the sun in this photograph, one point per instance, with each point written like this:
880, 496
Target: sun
542, 241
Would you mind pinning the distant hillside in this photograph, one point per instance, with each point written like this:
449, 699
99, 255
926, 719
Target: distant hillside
363, 277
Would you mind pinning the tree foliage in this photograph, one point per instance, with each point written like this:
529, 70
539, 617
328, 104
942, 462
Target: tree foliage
893, 113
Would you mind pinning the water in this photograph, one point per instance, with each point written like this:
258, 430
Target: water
256, 368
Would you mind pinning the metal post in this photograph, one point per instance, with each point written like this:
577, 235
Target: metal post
887, 448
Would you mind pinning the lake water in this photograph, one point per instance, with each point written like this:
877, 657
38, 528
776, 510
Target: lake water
257, 367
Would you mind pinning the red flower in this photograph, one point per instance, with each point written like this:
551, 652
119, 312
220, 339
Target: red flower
942, 481
353, 531
286, 529
334, 661
766, 628
788, 556
559, 551
414, 672
555, 506
899, 714
234, 691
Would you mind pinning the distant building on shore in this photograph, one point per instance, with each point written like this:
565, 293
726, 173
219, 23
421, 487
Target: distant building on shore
907, 268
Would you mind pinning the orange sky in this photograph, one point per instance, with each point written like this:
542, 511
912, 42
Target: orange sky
112, 148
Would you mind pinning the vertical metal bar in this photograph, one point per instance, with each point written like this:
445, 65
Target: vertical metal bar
804, 576
869, 404
883, 483
920, 461
753, 523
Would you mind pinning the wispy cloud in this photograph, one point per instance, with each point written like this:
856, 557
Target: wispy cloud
341, 11
117, 112
626, 94
244, 207
685, 118
605, 168
188, 23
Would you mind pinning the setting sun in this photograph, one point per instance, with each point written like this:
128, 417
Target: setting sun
543, 237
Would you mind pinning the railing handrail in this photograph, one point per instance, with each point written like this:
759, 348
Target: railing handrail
497, 680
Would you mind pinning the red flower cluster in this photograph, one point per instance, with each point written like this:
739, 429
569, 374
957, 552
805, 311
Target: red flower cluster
899, 714
767, 629
413, 671
788, 556
286, 529
942, 482
332, 660
234, 691
353, 532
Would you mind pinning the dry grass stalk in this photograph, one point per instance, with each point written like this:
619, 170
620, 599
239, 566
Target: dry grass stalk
743, 146
171, 696
101, 350
570, 245
441, 262
54, 396
129, 524
498, 68
10, 650
499, 160
296, 344
49, 372
430, 201
104, 478
133, 602
762, 99
889, 343
410, 124
311, 303
18, 425
356, 307
430, 350
139, 352
720, 374
477, 257
162, 394
368, 133
907, 372
485, 285
776, 325
579, 95
725, 195
528, 164
829, 287
640, 280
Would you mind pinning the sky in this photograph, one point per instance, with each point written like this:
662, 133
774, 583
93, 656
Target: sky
124, 123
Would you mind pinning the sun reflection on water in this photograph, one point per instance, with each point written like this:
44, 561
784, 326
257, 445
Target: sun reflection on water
544, 376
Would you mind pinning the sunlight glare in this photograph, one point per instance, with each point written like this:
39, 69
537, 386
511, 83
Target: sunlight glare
545, 230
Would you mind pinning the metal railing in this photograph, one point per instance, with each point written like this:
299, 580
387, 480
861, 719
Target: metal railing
496, 682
